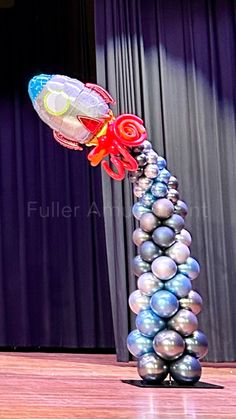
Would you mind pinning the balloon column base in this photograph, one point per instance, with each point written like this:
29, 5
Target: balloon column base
171, 384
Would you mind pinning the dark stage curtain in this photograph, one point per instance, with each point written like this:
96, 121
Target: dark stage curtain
54, 288
173, 63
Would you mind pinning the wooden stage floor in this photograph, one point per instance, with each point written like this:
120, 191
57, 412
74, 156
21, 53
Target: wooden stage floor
42, 385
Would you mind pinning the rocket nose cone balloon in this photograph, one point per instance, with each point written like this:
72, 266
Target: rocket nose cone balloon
37, 84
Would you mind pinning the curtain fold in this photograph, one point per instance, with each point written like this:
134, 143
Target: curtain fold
172, 63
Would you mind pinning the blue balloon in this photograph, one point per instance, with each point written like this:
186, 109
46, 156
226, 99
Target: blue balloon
139, 266
37, 84
138, 210
138, 344
161, 162
191, 268
180, 285
159, 189
148, 323
164, 176
164, 303
147, 200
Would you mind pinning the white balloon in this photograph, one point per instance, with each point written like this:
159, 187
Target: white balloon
179, 252
184, 237
138, 301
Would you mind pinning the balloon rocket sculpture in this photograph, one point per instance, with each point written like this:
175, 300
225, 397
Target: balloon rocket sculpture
166, 339
79, 114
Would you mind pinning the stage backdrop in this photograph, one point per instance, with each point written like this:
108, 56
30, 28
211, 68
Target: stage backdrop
54, 288
173, 63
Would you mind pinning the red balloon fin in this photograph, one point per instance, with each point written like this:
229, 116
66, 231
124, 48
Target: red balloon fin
101, 91
66, 142
91, 124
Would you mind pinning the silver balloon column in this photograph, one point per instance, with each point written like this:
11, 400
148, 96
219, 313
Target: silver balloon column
166, 339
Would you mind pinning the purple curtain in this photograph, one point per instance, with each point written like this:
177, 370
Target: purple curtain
173, 63
54, 288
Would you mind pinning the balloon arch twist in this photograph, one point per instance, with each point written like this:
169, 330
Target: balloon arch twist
166, 339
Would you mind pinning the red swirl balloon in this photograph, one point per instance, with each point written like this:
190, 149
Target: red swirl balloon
129, 130
122, 133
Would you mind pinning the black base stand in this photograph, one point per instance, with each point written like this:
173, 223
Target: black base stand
170, 384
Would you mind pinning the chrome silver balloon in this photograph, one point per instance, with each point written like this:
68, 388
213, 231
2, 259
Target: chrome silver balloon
138, 172
141, 159
180, 285
140, 266
145, 183
148, 323
193, 301
186, 370
184, 322
152, 368
161, 162
163, 208
168, 344
148, 283
179, 252
148, 222
164, 268
163, 236
146, 146
159, 189
176, 222
138, 344
140, 236
152, 157
164, 304
138, 210
148, 199
151, 170
184, 237
133, 176
164, 175
173, 195
173, 183
149, 251
197, 344
138, 191
181, 208
138, 301
191, 268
